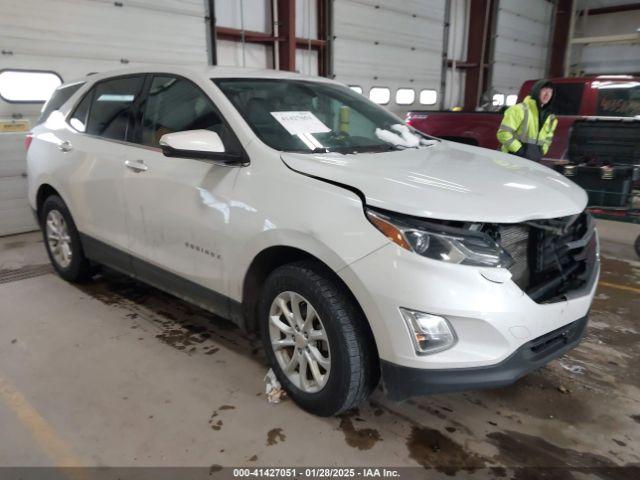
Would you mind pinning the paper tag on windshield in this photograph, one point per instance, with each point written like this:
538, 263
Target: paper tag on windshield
300, 122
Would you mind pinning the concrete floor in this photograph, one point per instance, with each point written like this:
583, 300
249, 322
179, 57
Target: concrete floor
115, 373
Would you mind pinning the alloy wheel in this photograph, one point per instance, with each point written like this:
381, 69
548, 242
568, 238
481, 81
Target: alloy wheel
299, 341
58, 238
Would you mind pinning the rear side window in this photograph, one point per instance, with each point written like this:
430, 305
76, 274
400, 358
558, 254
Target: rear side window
175, 104
567, 98
59, 97
619, 100
78, 119
110, 113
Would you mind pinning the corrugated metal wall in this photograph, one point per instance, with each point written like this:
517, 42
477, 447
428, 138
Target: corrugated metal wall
618, 58
521, 43
73, 38
384, 43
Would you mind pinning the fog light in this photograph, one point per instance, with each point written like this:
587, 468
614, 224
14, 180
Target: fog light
430, 333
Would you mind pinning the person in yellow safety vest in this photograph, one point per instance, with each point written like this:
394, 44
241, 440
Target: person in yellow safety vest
527, 128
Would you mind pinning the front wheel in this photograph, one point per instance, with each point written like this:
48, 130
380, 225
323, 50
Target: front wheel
316, 340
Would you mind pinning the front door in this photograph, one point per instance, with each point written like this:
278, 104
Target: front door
178, 208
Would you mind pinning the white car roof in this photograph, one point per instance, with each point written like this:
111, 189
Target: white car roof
204, 71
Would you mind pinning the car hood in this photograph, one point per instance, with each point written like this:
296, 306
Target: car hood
449, 181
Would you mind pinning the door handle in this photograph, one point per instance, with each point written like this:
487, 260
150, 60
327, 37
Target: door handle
137, 166
65, 146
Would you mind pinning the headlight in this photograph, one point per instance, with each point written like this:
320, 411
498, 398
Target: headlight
441, 242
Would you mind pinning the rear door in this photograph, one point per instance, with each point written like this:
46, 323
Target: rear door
178, 208
104, 122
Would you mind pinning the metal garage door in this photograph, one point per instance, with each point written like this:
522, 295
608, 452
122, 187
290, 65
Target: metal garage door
390, 44
252, 15
73, 38
521, 43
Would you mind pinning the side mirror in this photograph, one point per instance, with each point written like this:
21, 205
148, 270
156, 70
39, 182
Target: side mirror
200, 145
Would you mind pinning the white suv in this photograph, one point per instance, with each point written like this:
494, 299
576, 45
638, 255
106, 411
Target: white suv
358, 247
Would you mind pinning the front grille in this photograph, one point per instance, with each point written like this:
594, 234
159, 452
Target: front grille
552, 258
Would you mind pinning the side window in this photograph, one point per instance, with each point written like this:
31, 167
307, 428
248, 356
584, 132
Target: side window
174, 105
59, 97
567, 98
110, 115
621, 100
78, 119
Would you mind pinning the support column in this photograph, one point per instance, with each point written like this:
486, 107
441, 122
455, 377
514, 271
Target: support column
287, 34
213, 47
560, 38
476, 46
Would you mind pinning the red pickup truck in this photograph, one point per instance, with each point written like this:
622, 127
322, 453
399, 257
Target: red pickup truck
579, 97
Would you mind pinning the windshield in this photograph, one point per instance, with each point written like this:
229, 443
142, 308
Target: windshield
312, 117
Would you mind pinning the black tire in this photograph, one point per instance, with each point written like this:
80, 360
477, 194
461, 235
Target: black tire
79, 269
354, 367
637, 246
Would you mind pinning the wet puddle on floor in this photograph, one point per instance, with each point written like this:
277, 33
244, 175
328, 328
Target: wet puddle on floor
360, 437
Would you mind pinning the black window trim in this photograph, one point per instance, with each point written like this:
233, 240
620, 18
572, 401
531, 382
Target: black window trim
29, 70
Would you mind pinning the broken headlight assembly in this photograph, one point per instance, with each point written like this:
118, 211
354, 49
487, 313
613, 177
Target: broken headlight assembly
452, 244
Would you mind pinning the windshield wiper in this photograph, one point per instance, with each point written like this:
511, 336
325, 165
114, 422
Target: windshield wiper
372, 148
352, 149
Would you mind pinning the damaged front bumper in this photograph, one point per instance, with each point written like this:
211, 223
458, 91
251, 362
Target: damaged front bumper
402, 382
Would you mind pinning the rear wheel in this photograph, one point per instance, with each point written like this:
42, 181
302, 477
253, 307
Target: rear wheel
316, 341
62, 241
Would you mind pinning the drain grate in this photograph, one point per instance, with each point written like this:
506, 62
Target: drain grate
28, 271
